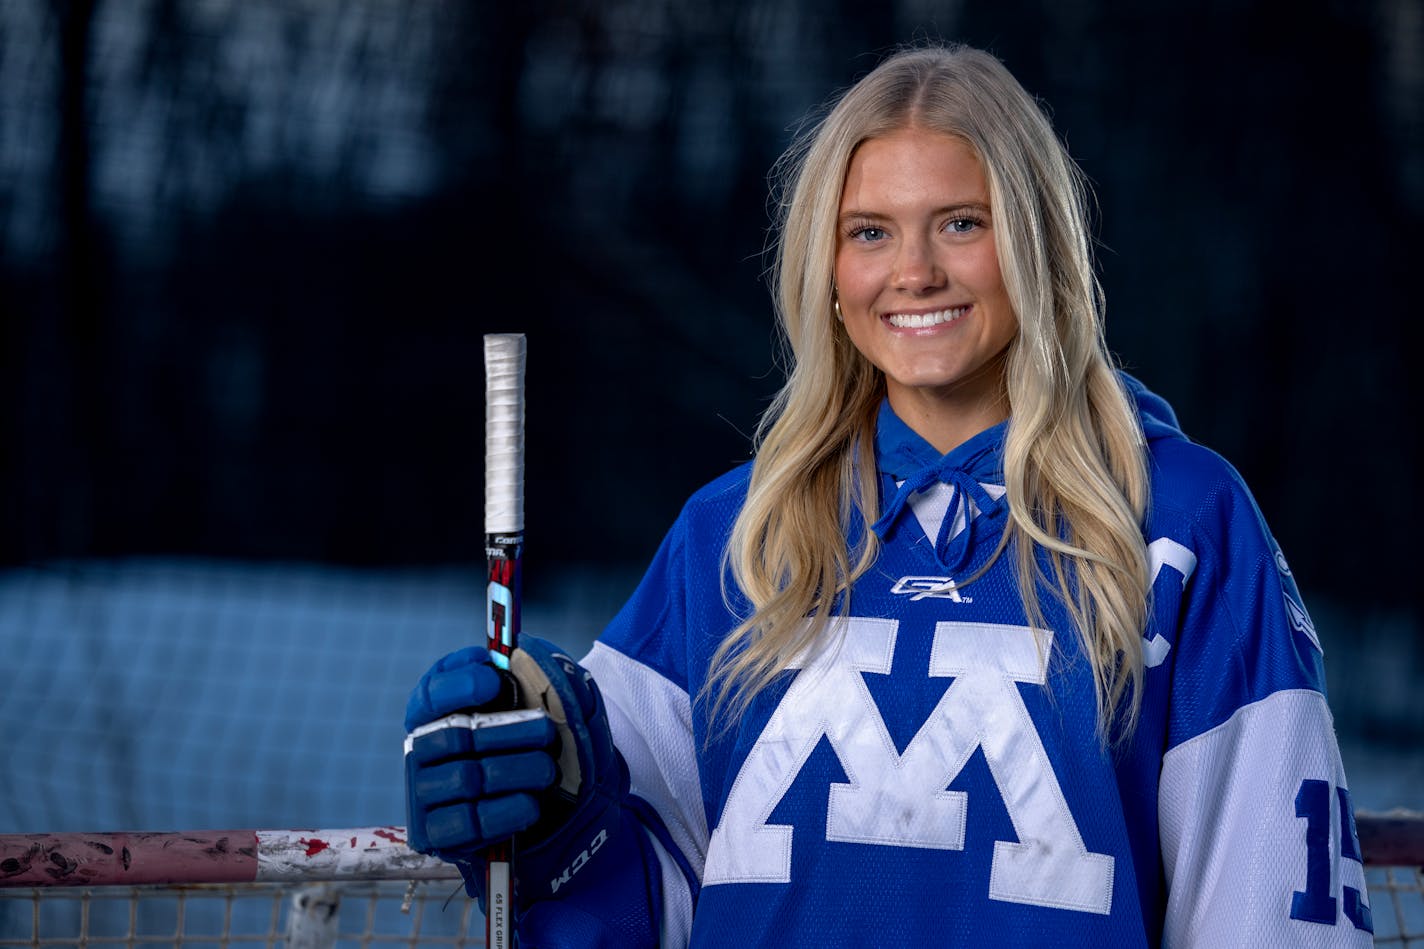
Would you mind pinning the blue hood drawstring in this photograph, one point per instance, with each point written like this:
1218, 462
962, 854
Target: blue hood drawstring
909, 465
907, 458
953, 552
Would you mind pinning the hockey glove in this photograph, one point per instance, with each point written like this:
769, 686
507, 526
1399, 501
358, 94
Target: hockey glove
471, 773
555, 782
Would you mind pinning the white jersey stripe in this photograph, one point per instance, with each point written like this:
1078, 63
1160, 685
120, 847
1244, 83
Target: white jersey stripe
651, 721
1234, 850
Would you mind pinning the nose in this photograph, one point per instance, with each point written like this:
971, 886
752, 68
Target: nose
916, 269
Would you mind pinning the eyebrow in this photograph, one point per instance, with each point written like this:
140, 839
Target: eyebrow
857, 214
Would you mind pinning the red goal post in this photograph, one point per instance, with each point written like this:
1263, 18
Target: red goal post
313, 889
214, 856
316, 889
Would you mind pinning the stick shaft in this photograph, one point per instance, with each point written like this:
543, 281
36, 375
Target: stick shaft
504, 552
504, 487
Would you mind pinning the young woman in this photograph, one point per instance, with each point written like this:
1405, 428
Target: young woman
980, 649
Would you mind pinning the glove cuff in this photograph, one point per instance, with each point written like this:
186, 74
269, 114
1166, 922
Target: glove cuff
556, 855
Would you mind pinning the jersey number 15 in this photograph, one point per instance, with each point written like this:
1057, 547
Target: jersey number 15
1316, 904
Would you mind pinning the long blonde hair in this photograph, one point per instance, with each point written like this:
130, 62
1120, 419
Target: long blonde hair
1074, 458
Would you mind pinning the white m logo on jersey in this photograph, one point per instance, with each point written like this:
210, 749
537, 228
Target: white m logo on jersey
900, 800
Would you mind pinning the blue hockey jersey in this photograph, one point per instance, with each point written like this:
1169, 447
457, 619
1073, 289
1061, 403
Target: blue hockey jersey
932, 773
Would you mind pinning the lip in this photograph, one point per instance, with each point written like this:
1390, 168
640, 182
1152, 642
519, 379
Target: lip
926, 319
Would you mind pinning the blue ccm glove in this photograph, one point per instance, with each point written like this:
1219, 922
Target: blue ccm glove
554, 782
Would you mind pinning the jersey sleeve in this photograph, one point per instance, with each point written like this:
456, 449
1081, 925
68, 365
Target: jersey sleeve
640, 665
1255, 820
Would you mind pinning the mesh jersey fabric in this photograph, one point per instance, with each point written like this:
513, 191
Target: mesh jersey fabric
932, 773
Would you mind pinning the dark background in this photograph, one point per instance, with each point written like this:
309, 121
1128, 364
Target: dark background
248, 251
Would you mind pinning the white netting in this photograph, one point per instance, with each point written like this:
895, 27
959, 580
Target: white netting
1397, 905
371, 913
313, 916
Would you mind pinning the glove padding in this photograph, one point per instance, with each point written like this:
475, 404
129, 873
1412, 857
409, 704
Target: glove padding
555, 782
470, 777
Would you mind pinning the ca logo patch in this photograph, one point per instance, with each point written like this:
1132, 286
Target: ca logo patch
918, 588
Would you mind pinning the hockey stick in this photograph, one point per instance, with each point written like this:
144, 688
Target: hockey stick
504, 551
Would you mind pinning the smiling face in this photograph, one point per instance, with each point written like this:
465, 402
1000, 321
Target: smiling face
917, 274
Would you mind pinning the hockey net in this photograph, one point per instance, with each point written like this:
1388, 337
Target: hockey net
314, 889
320, 889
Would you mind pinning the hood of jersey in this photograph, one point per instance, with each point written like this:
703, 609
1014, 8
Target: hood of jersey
972, 475
1158, 419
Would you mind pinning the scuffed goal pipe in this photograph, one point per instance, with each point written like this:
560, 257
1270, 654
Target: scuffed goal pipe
1395, 838
214, 856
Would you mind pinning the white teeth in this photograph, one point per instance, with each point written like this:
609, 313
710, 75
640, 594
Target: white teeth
921, 320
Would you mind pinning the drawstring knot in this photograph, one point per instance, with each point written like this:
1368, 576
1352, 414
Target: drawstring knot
952, 552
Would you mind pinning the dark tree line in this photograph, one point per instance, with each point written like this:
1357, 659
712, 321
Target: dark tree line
249, 251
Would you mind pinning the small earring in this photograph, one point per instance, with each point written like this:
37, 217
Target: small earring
836, 304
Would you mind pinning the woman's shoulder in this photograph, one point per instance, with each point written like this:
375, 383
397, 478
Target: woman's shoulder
1191, 481
718, 500
732, 482
1187, 478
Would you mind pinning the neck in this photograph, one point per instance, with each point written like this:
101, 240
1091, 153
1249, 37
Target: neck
948, 417
946, 431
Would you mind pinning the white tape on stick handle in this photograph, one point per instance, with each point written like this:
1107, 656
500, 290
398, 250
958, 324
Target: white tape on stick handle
504, 433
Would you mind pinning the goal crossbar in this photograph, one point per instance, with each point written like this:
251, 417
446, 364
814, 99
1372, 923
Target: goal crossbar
1394, 838
328, 889
214, 856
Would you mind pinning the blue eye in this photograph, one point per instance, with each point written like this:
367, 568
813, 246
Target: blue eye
869, 233
961, 225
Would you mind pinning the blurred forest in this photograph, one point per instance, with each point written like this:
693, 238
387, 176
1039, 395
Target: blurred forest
248, 249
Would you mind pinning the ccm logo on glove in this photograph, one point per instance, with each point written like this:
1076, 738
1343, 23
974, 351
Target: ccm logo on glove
598, 840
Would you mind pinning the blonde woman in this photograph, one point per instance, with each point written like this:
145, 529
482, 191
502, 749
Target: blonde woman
979, 650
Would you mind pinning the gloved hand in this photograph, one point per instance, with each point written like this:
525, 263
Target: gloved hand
470, 773
554, 782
